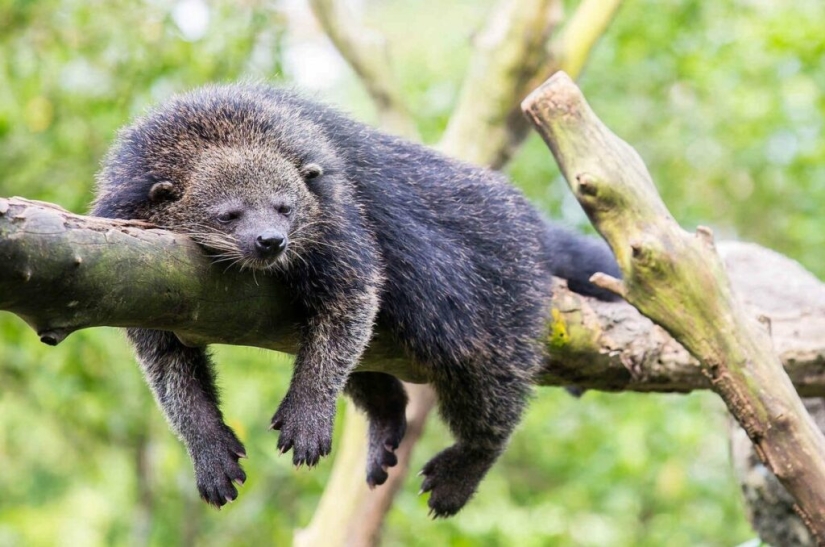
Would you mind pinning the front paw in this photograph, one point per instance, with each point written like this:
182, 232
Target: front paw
217, 469
306, 429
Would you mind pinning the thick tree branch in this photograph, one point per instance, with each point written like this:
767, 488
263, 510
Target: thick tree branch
63, 272
678, 280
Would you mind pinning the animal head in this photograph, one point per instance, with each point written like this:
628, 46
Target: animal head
249, 206
246, 171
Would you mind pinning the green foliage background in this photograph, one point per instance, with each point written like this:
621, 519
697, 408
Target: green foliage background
722, 99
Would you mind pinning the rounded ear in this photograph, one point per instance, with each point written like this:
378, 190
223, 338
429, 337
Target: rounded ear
311, 171
162, 191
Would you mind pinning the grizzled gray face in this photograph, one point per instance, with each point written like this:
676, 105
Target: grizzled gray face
248, 206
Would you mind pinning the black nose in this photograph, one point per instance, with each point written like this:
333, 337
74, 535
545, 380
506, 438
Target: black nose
270, 243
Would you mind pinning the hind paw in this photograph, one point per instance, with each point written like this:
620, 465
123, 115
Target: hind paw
384, 438
452, 478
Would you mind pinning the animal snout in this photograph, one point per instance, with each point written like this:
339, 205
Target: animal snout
270, 243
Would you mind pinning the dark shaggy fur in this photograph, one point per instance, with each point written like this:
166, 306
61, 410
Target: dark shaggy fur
447, 257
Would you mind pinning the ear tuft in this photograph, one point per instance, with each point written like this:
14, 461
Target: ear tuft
311, 171
162, 191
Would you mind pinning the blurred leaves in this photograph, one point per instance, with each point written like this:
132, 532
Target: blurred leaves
724, 102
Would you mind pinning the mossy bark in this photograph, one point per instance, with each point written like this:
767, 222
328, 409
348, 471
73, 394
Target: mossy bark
62, 272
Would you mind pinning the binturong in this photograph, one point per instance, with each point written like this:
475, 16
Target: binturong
366, 230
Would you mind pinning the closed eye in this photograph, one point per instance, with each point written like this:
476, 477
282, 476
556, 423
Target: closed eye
229, 216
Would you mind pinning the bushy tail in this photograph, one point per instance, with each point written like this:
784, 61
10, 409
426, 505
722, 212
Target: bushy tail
575, 257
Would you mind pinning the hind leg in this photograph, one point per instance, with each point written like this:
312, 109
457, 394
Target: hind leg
482, 410
384, 400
